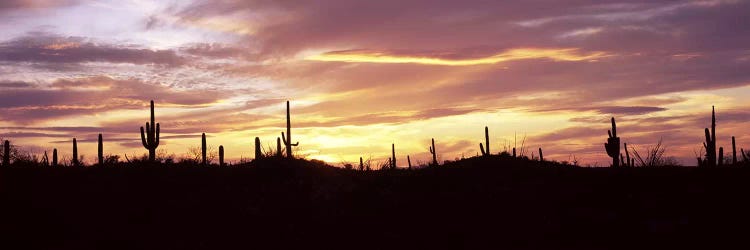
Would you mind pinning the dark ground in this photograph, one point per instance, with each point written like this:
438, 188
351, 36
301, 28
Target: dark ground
496, 203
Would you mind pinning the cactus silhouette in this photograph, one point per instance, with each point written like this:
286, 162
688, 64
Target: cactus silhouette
6, 153
408, 161
100, 150
361, 166
541, 155
721, 156
150, 138
75, 153
627, 155
710, 144
203, 149
514, 152
393, 154
45, 159
278, 147
613, 144
54, 157
258, 149
734, 152
434, 153
288, 138
486, 142
221, 155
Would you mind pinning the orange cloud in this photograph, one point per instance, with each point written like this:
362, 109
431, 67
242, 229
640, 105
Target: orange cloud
565, 54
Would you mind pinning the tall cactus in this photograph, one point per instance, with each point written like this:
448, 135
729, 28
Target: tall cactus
288, 138
710, 144
221, 155
434, 153
486, 142
6, 153
734, 153
541, 155
150, 138
613, 145
100, 150
75, 153
203, 149
54, 157
393, 154
258, 149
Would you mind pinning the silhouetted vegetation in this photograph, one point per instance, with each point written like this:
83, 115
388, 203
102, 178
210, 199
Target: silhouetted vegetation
150, 139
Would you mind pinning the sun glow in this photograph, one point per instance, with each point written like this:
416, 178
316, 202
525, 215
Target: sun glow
567, 54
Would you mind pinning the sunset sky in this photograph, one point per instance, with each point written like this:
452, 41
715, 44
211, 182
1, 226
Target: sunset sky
361, 75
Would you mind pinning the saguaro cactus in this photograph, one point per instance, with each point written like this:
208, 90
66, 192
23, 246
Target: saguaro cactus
203, 149
408, 161
100, 150
514, 152
710, 143
434, 153
361, 165
6, 153
54, 157
221, 155
613, 144
627, 155
288, 138
541, 156
393, 154
258, 149
150, 138
486, 142
721, 156
734, 152
75, 153
278, 147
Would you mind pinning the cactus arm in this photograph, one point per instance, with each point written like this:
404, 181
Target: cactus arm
156, 138
143, 139
482, 149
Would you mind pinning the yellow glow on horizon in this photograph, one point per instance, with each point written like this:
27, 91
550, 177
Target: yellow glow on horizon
567, 54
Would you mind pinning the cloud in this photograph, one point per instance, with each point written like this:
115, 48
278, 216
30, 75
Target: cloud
32, 4
91, 95
47, 48
510, 55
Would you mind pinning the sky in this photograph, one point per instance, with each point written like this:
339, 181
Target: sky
362, 75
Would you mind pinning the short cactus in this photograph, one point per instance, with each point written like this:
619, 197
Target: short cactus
734, 152
541, 156
100, 150
434, 153
75, 153
203, 149
613, 145
221, 155
408, 161
710, 144
393, 154
54, 157
486, 142
258, 149
278, 147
